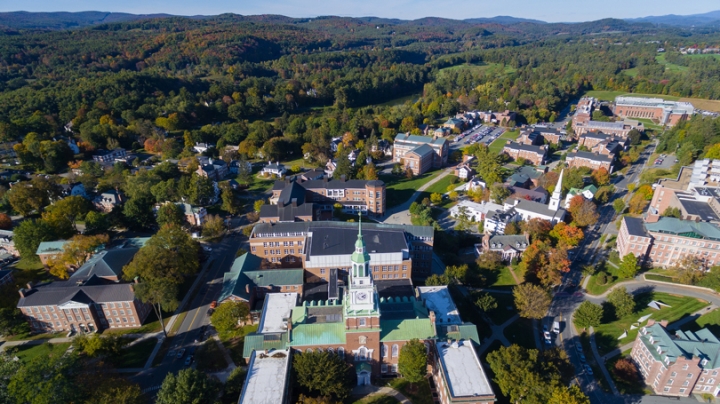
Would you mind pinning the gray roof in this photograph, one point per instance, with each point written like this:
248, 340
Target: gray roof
516, 241
635, 226
395, 288
60, 292
405, 137
698, 208
292, 191
107, 263
595, 135
699, 344
334, 241
422, 150
303, 227
338, 184
539, 208
286, 213
590, 156
534, 149
4, 273
685, 228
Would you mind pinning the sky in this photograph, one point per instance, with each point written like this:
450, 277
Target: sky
546, 10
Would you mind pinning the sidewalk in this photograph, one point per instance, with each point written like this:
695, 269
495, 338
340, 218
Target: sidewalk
369, 390
398, 214
601, 363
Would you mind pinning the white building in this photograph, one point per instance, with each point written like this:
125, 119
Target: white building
274, 169
202, 147
588, 193
475, 183
476, 212
267, 379
534, 210
497, 220
459, 375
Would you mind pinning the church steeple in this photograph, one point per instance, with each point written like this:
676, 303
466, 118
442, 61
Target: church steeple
557, 194
361, 291
360, 257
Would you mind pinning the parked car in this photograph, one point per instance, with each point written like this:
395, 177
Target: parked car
188, 360
213, 304
556, 327
589, 370
582, 358
180, 353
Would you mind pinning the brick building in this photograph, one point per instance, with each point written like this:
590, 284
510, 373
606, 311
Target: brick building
678, 365
92, 299
535, 154
368, 326
657, 109
619, 128
663, 242
590, 160
399, 252
406, 143
539, 135
321, 195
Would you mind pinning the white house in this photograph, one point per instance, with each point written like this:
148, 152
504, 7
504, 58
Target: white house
475, 183
508, 246
474, 211
497, 220
202, 147
535, 210
588, 193
276, 169
464, 171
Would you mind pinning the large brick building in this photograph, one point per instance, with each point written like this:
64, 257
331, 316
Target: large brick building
535, 154
590, 160
678, 365
296, 200
92, 299
420, 153
663, 242
657, 109
368, 326
399, 252
539, 135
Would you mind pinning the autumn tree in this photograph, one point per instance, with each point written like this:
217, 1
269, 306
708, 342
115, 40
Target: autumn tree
566, 235
626, 370
637, 204
75, 253
538, 229
5, 222
29, 234
568, 395
213, 227
584, 212
532, 301
600, 176
688, 269
619, 206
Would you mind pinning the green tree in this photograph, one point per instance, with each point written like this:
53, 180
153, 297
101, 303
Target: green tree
568, 395
532, 301
201, 190
213, 227
498, 193
12, 322
622, 301
8, 368
95, 344
234, 384
96, 222
628, 266
619, 206
486, 302
138, 211
226, 316
520, 376
190, 386
29, 234
170, 213
257, 205
229, 202
46, 380
588, 314
412, 363
324, 373
244, 172
673, 212
436, 198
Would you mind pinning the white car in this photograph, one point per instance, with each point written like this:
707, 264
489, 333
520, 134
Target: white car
206, 248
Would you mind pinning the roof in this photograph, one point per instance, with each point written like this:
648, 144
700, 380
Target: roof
292, 192
635, 226
267, 377
318, 334
685, 228
4, 273
395, 288
406, 329
56, 293
405, 137
304, 227
339, 184
108, 263
590, 156
595, 135
341, 241
262, 342
529, 172
500, 242
438, 299
698, 208
276, 312
529, 148
287, 213
458, 332
538, 208
245, 274
699, 344
51, 247
462, 370
422, 150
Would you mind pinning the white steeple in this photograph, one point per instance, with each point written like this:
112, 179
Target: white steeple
557, 194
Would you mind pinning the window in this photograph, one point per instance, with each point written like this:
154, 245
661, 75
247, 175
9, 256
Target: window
384, 351
666, 389
673, 374
669, 382
322, 271
682, 391
362, 322
341, 352
686, 383
395, 351
383, 368
689, 375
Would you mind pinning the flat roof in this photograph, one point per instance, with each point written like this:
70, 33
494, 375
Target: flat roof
334, 241
462, 369
276, 312
438, 299
266, 378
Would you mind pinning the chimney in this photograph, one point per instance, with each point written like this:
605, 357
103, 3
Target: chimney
132, 288
247, 288
29, 285
664, 323
21, 292
431, 316
650, 322
486, 241
342, 178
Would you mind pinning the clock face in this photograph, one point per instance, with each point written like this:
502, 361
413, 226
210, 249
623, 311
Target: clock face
362, 296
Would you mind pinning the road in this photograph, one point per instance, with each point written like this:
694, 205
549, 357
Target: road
222, 256
569, 295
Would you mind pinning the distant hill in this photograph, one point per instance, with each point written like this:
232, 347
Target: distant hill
64, 20
711, 18
502, 19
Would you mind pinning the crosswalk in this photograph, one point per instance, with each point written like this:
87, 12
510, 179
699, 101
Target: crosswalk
151, 389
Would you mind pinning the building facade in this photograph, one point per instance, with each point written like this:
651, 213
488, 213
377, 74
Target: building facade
590, 160
106, 156
355, 196
657, 109
405, 143
535, 154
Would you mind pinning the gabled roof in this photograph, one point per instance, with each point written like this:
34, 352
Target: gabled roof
635, 226
293, 191
422, 150
590, 156
700, 344
686, 228
108, 263
245, 274
529, 148
458, 332
61, 292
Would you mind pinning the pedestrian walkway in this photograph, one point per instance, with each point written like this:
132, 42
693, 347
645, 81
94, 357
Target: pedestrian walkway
399, 214
601, 363
369, 391
498, 333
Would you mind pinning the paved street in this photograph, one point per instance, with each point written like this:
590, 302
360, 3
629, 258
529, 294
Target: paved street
222, 256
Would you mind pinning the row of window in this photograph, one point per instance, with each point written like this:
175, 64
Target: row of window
277, 244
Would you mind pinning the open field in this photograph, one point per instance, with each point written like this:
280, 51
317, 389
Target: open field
669, 66
441, 186
401, 100
708, 105
480, 67
28, 353
400, 189
497, 146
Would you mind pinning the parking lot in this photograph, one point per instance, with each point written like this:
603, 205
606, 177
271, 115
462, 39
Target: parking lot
665, 161
480, 133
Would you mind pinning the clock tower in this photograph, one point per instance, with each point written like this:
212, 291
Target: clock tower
361, 291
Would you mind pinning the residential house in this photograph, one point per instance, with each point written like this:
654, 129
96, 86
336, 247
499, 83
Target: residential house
108, 200
74, 189
275, 169
7, 244
497, 220
442, 132
679, 364
383, 146
537, 155
202, 147
499, 118
588, 193
593, 161
509, 247
475, 183
194, 215
454, 123
464, 171
475, 212
215, 169
107, 156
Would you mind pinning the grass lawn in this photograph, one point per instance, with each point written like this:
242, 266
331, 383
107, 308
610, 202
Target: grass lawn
401, 100
442, 184
497, 145
504, 278
669, 66
136, 355
521, 332
607, 333
648, 123
710, 320
400, 189
209, 357
595, 288
419, 393
28, 336
28, 353
505, 308
260, 184
377, 399
709, 105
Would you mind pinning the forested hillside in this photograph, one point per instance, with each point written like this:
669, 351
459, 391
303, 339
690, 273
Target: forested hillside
247, 80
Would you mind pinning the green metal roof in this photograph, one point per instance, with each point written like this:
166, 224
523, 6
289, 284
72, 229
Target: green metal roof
467, 331
685, 228
244, 275
404, 330
261, 342
699, 344
318, 334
